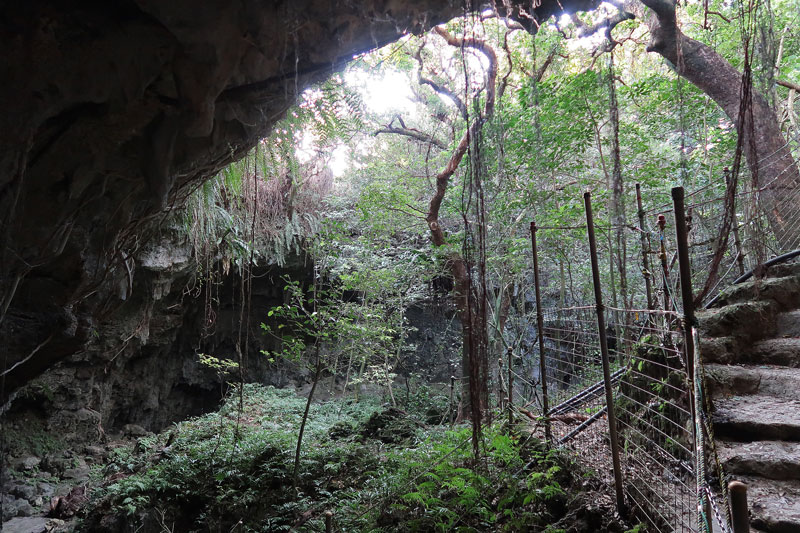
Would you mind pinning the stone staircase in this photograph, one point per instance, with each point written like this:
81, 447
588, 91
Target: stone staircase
750, 347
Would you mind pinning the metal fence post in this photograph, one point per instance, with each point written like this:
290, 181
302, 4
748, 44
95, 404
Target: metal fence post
645, 238
601, 329
450, 405
687, 297
540, 331
739, 517
501, 390
510, 390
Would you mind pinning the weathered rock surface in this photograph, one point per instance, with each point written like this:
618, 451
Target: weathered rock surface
141, 372
752, 417
769, 459
36, 524
783, 351
774, 505
112, 111
770, 380
752, 360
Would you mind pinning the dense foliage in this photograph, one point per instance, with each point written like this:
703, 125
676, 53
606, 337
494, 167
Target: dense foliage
375, 468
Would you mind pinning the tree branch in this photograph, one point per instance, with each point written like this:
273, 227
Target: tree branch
410, 132
439, 89
607, 24
788, 84
443, 178
539, 74
481, 46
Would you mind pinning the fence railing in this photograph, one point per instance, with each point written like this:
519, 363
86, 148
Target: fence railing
616, 380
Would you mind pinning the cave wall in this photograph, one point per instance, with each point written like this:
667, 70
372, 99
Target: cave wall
140, 365
113, 110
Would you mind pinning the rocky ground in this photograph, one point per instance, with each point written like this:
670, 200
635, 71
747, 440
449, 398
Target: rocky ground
44, 488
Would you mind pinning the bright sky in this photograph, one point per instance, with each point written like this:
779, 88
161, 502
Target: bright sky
340, 160
385, 93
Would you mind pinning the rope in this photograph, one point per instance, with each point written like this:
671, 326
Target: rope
704, 493
722, 522
700, 458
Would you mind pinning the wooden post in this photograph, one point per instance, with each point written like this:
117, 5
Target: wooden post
708, 510
328, 521
645, 239
548, 435
601, 330
739, 515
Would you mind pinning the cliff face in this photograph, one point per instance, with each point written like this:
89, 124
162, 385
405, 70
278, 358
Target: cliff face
140, 365
112, 111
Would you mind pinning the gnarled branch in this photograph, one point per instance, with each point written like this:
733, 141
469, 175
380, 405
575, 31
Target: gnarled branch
410, 132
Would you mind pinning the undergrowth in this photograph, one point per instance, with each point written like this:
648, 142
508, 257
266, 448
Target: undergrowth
375, 468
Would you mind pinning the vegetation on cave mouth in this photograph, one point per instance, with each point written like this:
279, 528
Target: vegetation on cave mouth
407, 182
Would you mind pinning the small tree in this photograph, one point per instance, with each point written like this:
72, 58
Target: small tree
316, 327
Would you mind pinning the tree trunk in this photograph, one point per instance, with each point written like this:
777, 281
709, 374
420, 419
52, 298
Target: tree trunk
296, 469
471, 312
767, 152
619, 219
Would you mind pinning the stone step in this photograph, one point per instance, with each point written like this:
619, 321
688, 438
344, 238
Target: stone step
779, 351
784, 290
789, 269
751, 320
788, 324
778, 381
774, 505
756, 417
729, 350
724, 350
769, 459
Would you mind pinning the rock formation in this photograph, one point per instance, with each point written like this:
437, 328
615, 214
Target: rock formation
113, 111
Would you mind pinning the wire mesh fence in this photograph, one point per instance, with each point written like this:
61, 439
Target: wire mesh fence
651, 400
652, 375
653, 410
732, 226
735, 223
